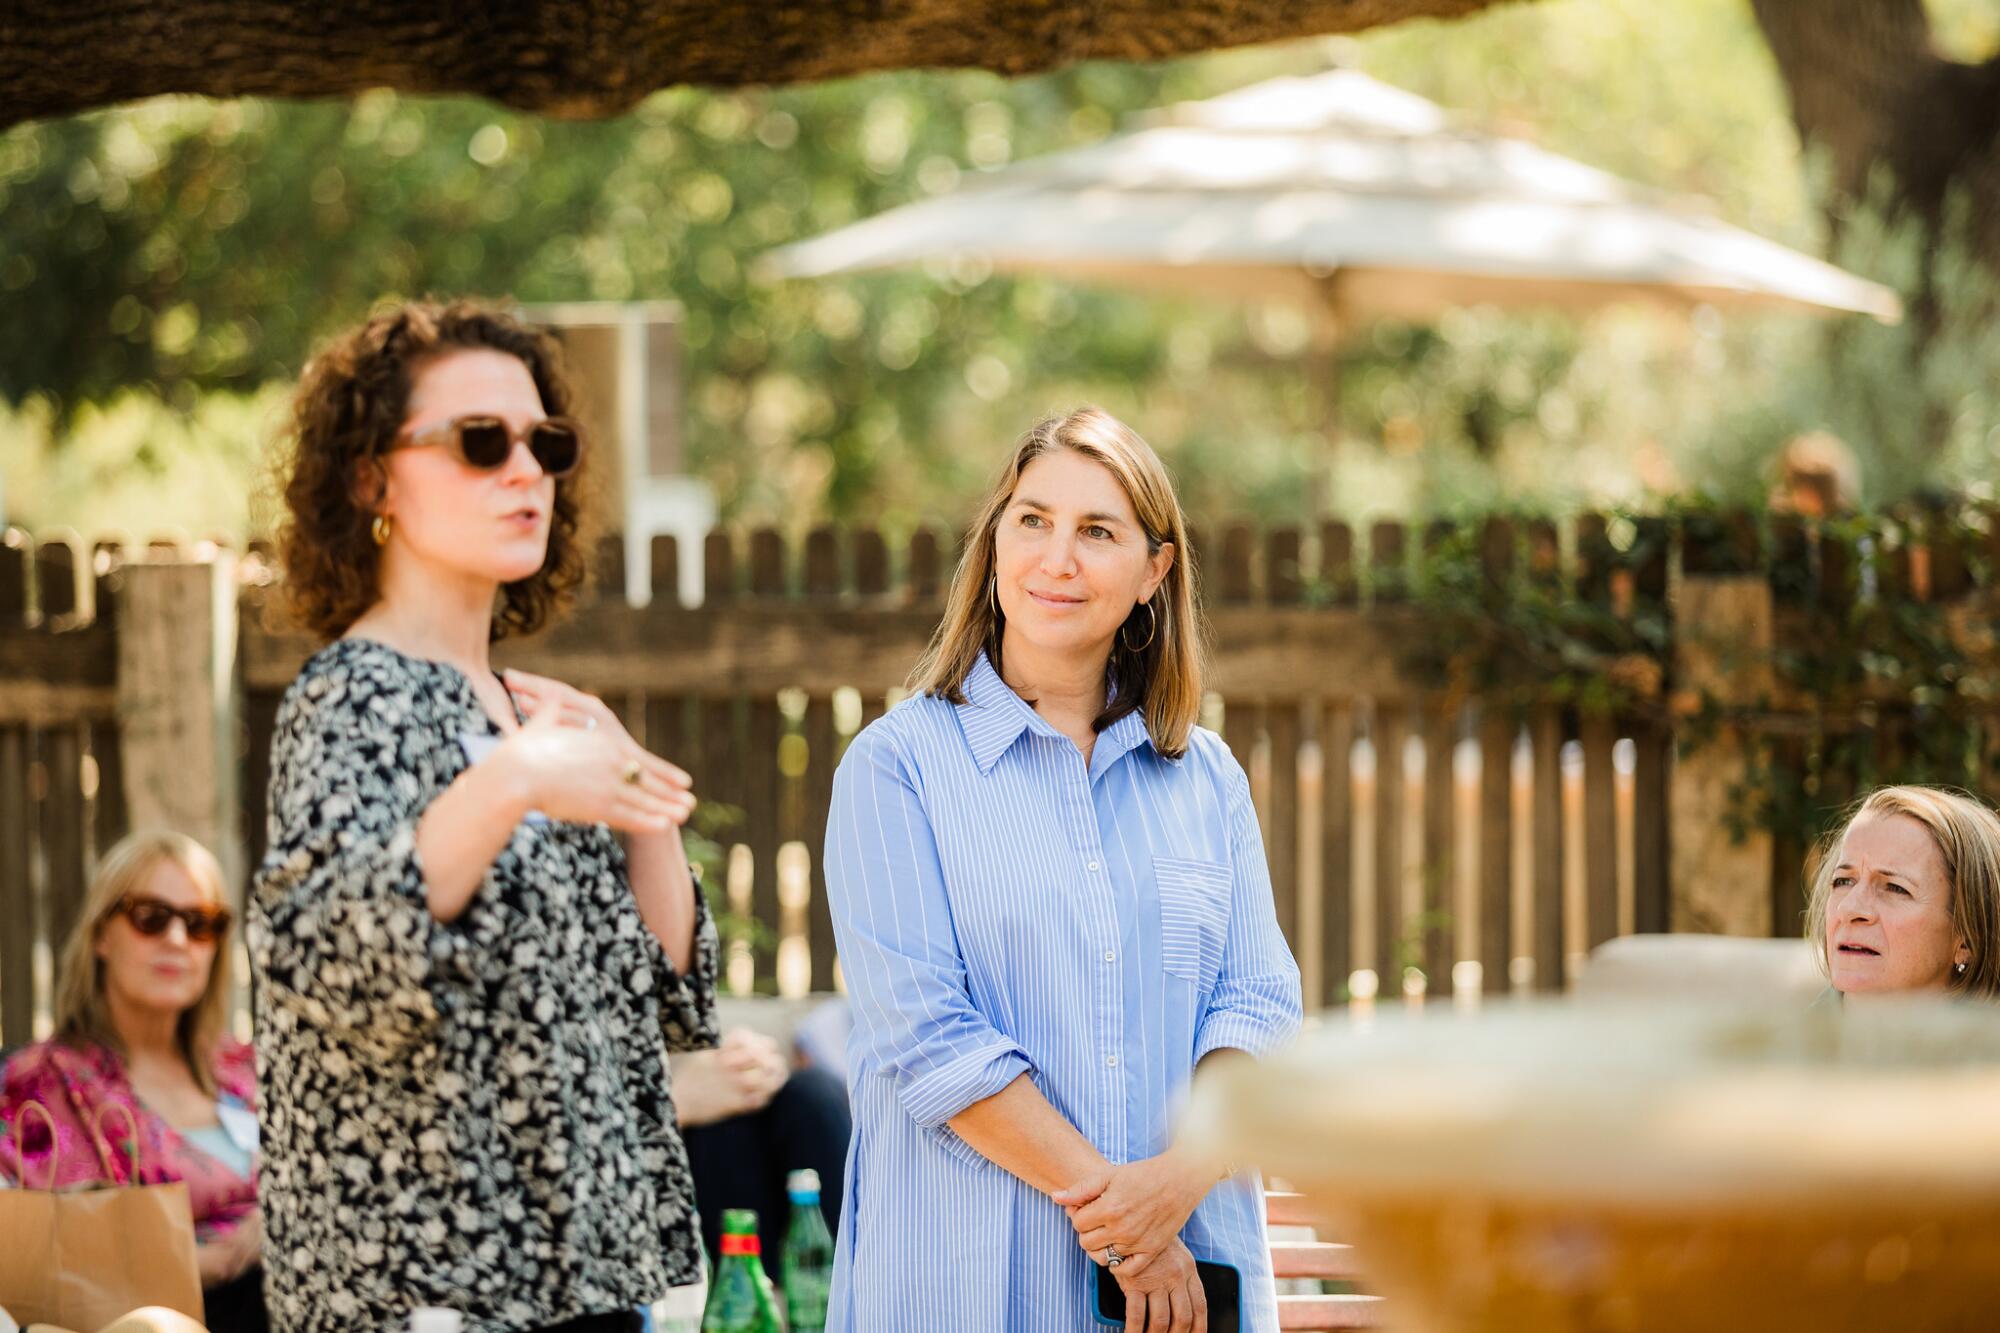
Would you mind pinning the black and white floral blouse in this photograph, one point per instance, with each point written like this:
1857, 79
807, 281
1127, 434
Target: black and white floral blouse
476, 1114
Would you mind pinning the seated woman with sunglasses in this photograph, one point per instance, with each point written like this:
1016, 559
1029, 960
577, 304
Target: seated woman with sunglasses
142, 993
466, 984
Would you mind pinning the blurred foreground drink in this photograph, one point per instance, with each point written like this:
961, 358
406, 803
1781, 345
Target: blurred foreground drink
1642, 1166
807, 1266
739, 1295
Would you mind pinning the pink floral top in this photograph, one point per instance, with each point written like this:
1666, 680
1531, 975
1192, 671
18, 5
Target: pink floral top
76, 1085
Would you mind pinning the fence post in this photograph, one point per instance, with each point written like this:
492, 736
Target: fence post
179, 701
1723, 641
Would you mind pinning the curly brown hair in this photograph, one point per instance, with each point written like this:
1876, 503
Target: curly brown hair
351, 401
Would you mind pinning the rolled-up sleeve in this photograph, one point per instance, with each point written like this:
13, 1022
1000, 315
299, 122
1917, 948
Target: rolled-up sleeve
340, 928
1256, 1005
913, 1014
687, 999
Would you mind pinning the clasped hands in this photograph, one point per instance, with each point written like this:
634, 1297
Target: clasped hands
1138, 1209
738, 1077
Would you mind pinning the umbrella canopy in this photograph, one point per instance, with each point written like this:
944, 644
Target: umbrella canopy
1355, 197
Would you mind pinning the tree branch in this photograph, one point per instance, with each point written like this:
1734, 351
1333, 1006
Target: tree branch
595, 58
1849, 67
1868, 87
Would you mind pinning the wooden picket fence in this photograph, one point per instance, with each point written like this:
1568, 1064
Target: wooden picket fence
1423, 841
61, 790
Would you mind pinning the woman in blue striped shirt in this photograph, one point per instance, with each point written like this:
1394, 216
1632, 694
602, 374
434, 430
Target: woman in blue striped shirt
1051, 902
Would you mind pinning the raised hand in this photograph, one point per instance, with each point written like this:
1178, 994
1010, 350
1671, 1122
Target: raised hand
580, 766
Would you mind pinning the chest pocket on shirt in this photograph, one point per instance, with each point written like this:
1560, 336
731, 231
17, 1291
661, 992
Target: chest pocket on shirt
1194, 917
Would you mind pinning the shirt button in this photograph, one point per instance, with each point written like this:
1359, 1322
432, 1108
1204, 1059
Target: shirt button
1091, 867
1110, 957
1111, 1060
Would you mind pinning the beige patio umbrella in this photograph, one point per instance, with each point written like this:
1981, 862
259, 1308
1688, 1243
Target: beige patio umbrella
1353, 197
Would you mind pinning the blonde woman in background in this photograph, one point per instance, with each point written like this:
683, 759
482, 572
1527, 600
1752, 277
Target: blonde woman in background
141, 1006
1906, 896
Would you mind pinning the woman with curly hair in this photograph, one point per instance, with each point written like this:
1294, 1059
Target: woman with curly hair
466, 984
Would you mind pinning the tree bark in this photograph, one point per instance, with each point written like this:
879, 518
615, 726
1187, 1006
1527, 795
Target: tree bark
1868, 88
594, 58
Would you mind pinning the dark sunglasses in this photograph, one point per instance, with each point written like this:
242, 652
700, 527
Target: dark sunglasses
150, 916
486, 443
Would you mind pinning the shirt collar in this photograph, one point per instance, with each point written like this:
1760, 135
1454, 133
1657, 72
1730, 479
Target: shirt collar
993, 718
1119, 739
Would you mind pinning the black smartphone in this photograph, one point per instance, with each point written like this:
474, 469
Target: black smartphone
1221, 1283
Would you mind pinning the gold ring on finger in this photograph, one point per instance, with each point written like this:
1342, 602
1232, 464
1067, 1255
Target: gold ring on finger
633, 772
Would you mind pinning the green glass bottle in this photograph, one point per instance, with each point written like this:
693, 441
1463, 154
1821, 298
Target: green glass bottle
807, 1264
739, 1294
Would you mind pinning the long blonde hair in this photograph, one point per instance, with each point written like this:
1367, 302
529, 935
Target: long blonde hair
83, 1017
1967, 834
1162, 680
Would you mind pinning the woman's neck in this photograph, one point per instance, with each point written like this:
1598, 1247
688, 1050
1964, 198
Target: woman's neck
446, 618
1940, 987
148, 1035
1068, 689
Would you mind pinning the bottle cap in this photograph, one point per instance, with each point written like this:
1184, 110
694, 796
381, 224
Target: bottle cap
431, 1319
803, 1184
739, 1221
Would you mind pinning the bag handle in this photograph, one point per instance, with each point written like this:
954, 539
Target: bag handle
131, 1143
21, 1147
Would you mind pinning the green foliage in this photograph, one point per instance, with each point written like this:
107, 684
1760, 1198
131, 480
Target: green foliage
136, 465
705, 837
160, 259
1918, 402
186, 248
1681, 96
1899, 690
1873, 685
1521, 640
1876, 686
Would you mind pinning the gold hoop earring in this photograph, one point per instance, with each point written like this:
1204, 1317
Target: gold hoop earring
993, 597
1152, 630
379, 529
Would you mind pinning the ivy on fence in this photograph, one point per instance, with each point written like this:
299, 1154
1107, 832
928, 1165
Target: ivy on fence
1886, 656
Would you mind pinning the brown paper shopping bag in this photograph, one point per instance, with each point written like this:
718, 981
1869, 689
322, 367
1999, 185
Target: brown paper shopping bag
81, 1258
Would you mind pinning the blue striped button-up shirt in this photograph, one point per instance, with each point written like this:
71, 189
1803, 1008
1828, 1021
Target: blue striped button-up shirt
1003, 909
